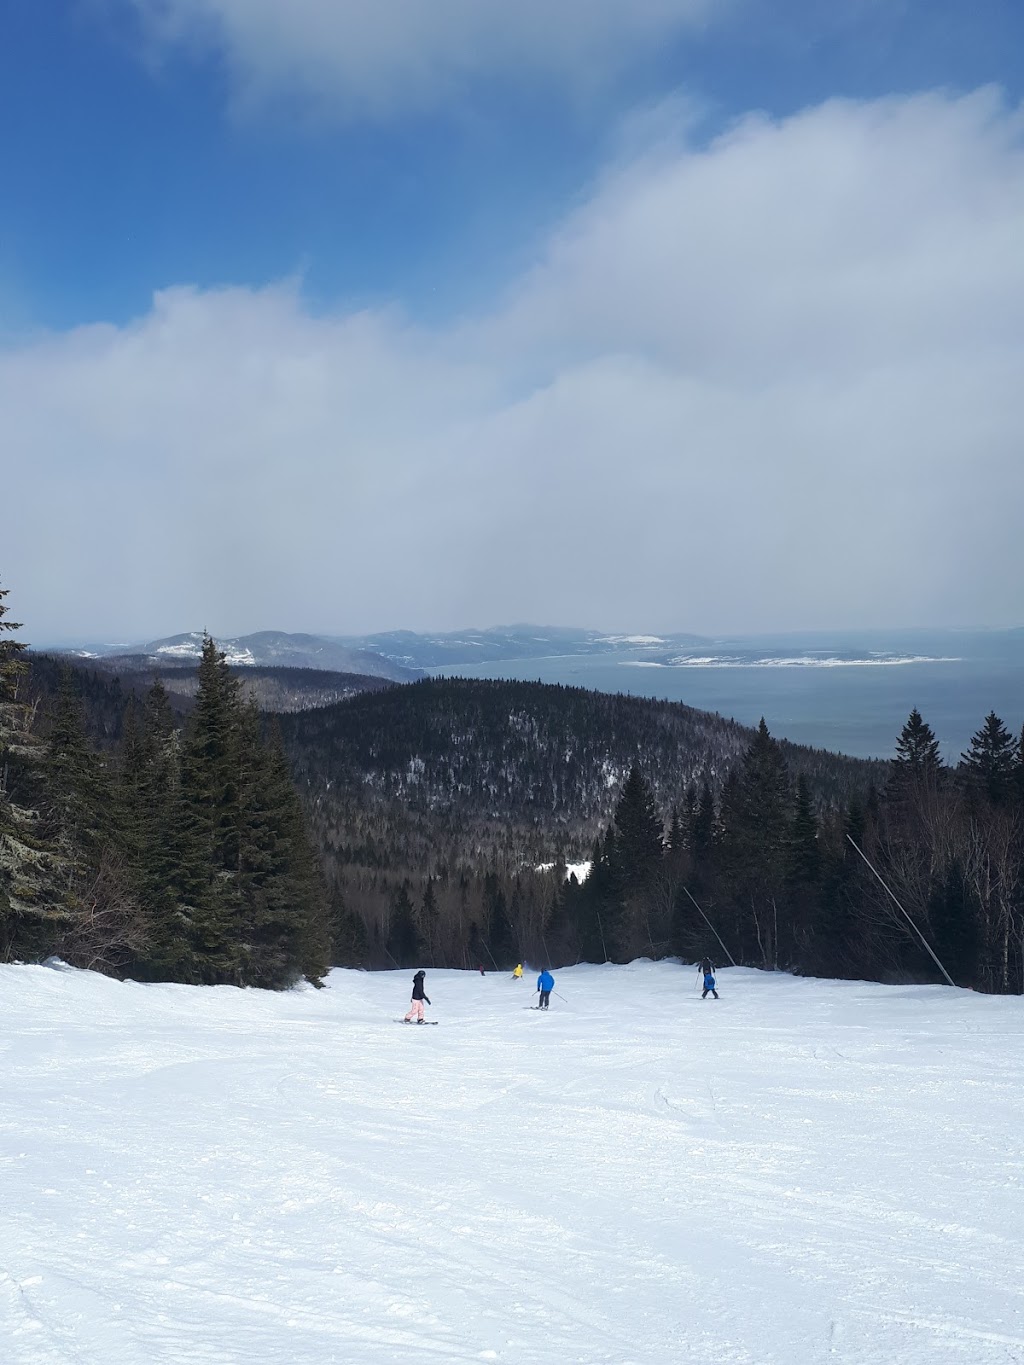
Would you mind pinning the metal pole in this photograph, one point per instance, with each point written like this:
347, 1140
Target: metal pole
600, 930
892, 896
704, 917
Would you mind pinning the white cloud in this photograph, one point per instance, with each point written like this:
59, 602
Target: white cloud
396, 54
770, 383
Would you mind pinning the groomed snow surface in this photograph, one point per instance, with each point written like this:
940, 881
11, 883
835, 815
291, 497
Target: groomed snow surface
802, 1171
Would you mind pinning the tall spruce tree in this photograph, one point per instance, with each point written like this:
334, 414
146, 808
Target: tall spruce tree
803, 854
702, 833
917, 755
404, 945
173, 863
80, 795
281, 909
634, 859
988, 766
756, 816
210, 776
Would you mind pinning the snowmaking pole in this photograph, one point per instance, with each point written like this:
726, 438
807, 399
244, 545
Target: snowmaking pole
704, 917
892, 896
600, 930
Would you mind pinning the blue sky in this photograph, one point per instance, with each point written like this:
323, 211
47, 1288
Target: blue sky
126, 168
539, 309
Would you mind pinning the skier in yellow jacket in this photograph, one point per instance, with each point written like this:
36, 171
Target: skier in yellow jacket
517, 975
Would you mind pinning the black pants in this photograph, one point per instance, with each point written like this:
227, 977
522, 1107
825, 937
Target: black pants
545, 996
704, 993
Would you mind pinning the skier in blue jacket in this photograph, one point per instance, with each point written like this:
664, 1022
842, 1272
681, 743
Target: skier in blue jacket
709, 985
545, 984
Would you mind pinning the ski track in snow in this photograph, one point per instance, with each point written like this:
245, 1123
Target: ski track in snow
801, 1172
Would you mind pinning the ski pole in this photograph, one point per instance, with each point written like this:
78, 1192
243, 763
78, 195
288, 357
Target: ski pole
560, 996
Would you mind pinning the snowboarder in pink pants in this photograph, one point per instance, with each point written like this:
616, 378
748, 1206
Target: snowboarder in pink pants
418, 997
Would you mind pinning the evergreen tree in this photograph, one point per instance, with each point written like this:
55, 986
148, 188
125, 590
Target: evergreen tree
689, 814
676, 840
702, 833
504, 948
633, 856
281, 915
209, 778
953, 918
804, 855
917, 750
80, 797
915, 781
638, 844
12, 663
350, 943
756, 826
428, 921
988, 767
404, 945
211, 757
173, 865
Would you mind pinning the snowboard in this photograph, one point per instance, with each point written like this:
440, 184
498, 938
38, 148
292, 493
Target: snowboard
417, 1022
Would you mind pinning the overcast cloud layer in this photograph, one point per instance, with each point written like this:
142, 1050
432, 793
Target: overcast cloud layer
768, 384
393, 55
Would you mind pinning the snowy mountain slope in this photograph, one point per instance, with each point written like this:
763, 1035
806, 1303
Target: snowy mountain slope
266, 648
802, 1172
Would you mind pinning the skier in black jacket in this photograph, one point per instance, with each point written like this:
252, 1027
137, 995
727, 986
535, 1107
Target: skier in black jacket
418, 997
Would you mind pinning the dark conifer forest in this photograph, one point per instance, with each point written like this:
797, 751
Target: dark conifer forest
136, 845
193, 837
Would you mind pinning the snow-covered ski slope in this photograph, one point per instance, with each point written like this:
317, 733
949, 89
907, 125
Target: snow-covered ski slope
803, 1171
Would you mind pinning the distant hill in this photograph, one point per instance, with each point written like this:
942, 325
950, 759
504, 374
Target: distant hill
498, 643
104, 685
477, 773
266, 648
401, 655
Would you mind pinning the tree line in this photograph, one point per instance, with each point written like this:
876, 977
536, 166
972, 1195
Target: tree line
935, 855
147, 842
176, 854
469, 785
754, 870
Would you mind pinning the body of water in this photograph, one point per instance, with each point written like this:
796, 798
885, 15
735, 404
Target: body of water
849, 700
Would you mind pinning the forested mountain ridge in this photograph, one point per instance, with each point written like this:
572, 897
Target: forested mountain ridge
105, 683
442, 784
271, 687
551, 756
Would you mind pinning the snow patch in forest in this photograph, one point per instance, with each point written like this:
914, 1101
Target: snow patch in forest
581, 871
